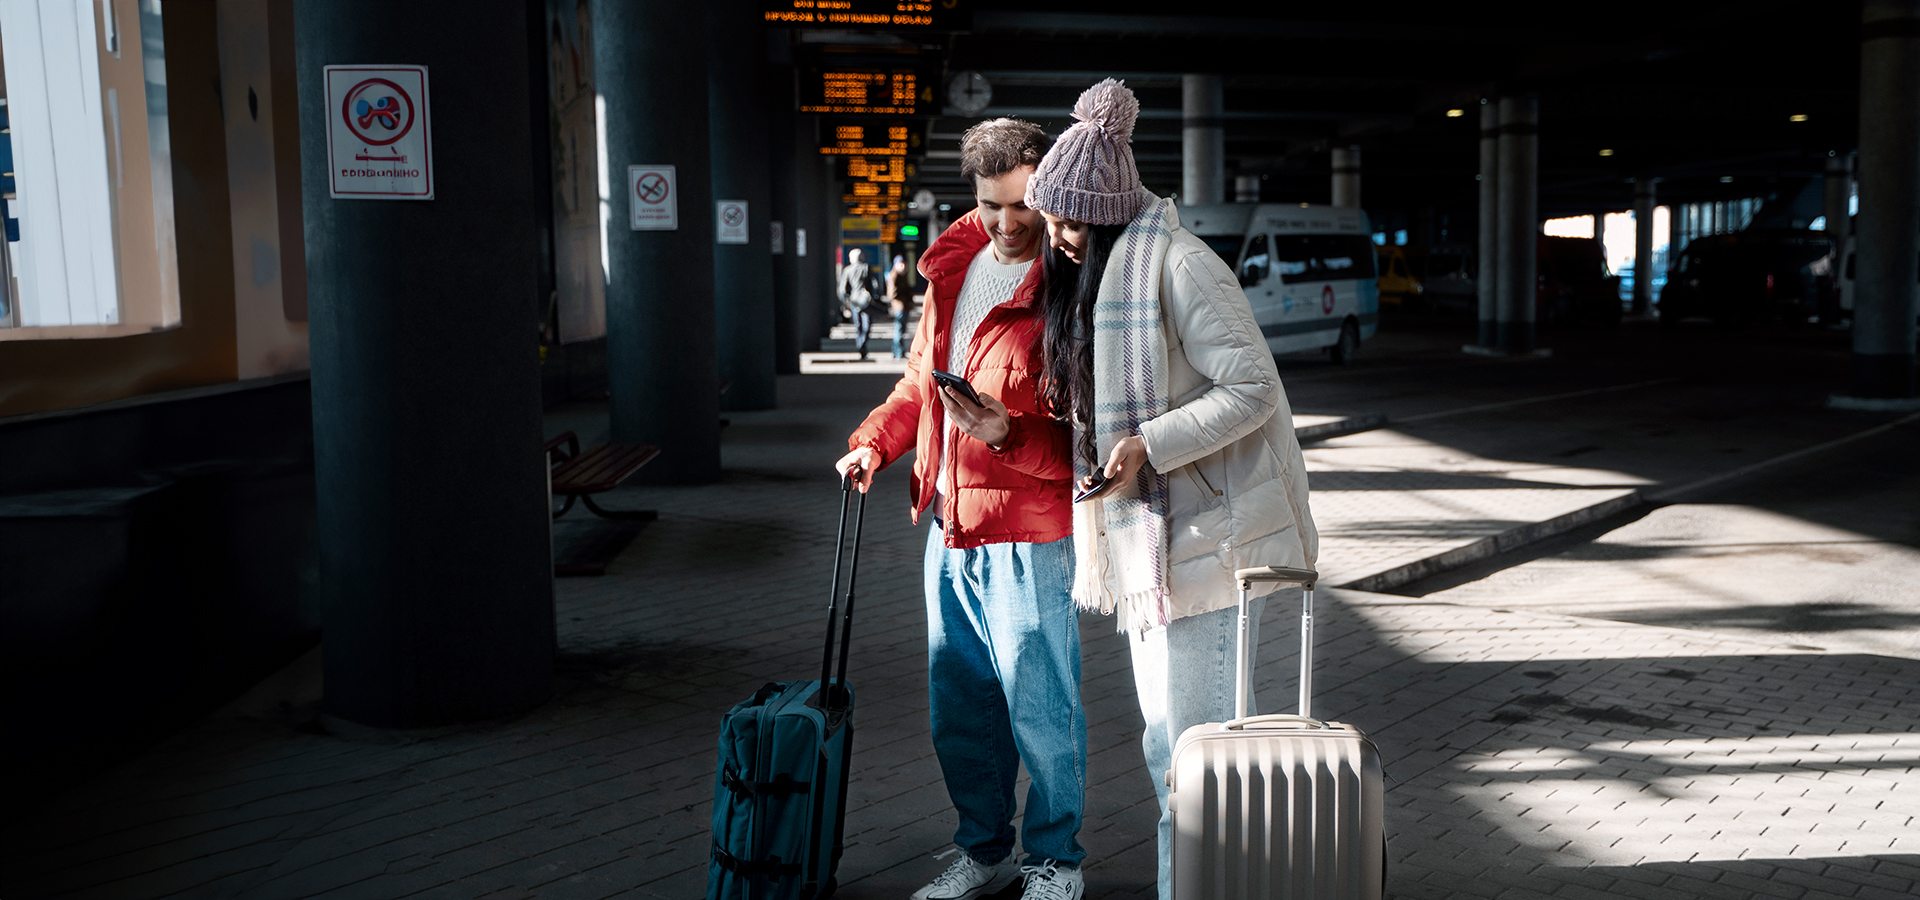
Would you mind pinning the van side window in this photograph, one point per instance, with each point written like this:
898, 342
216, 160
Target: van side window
1293, 254
1326, 257
1256, 261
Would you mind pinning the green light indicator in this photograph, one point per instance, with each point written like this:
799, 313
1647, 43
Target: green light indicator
909, 231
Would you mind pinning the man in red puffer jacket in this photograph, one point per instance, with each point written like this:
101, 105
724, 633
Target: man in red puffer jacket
1003, 646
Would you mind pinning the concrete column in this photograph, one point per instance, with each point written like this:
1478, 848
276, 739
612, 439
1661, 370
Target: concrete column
1643, 204
1346, 177
436, 567
1886, 297
781, 206
1246, 189
783, 154
661, 365
812, 272
1519, 226
1203, 144
742, 273
1676, 238
1486, 277
1839, 187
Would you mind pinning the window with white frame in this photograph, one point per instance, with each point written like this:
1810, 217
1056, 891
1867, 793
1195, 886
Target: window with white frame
90, 249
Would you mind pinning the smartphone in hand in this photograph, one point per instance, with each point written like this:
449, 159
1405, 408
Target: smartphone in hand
959, 386
1099, 481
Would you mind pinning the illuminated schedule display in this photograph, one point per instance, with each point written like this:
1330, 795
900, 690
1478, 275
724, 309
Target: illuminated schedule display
866, 90
877, 166
892, 15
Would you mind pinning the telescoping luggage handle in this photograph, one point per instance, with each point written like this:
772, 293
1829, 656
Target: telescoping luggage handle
833, 692
1243, 665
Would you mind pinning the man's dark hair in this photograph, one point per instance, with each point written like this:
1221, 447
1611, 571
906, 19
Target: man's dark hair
998, 146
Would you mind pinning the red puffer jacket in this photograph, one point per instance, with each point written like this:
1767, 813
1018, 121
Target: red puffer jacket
1021, 491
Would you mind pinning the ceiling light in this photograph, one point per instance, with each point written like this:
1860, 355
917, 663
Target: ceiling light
1726, 179
1606, 151
1797, 117
1456, 113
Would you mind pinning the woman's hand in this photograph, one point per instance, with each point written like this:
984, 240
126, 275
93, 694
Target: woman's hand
989, 424
1128, 457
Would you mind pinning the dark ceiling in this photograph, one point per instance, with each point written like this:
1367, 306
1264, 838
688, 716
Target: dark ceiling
1691, 93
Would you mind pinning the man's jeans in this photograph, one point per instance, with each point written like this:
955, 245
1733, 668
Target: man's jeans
862, 324
1003, 665
1184, 675
902, 341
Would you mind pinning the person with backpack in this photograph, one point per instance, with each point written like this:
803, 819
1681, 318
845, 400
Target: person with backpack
900, 302
857, 289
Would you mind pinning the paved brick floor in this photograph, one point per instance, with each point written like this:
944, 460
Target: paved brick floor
1531, 755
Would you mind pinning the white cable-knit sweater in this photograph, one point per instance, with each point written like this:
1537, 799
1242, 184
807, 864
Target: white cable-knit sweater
989, 283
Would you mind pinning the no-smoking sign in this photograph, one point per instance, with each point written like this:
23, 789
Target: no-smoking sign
730, 221
379, 136
652, 198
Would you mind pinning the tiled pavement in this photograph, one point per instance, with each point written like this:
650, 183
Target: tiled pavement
1530, 755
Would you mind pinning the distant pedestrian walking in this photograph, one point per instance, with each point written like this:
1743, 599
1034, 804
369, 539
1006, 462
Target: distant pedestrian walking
858, 286
900, 301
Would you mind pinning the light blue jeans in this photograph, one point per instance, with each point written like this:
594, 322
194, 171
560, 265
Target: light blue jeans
1003, 672
1184, 676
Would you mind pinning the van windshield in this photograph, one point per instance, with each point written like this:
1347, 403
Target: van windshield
1225, 246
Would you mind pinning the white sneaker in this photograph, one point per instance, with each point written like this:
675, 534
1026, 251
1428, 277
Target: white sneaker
1050, 882
964, 880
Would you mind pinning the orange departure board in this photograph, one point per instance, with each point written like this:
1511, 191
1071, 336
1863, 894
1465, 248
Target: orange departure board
892, 15
853, 139
861, 90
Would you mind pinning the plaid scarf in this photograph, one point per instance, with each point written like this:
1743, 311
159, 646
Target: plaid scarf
1120, 542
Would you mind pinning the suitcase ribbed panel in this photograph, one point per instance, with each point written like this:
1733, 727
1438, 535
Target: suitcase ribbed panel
1277, 813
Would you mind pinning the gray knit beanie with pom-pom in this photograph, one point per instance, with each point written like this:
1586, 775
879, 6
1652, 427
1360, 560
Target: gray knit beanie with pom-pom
1089, 175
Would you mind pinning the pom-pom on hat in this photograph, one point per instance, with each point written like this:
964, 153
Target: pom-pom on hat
1089, 175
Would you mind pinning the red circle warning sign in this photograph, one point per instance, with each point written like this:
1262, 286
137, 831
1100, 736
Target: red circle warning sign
378, 111
651, 188
1326, 299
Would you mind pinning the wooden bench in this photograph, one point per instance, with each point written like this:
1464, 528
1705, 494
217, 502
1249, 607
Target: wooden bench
578, 476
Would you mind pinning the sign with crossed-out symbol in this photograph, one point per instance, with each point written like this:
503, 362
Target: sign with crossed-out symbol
730, 221
379, 133
651, 198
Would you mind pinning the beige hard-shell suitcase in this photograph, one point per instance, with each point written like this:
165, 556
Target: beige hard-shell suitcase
1277, 806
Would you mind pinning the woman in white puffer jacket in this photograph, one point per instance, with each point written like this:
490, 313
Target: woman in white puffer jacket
1153, 352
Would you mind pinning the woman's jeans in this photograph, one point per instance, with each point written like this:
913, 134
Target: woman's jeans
1003, 667
1184, 676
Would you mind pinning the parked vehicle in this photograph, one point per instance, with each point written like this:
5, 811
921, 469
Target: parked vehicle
1446, 273
1309, 271
1399, 285
1750, 276
1575, 287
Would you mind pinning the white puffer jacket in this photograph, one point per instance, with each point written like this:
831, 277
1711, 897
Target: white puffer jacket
1237, 479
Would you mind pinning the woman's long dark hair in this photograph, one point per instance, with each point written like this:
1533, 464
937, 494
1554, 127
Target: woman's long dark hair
1067, 389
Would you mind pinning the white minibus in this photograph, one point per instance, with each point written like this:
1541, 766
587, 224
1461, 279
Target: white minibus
1308, 270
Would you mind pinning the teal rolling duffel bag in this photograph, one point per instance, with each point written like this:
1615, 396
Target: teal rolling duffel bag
780, 784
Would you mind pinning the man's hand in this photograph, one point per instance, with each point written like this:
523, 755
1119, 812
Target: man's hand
862, 462
988, 424
1126, 460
